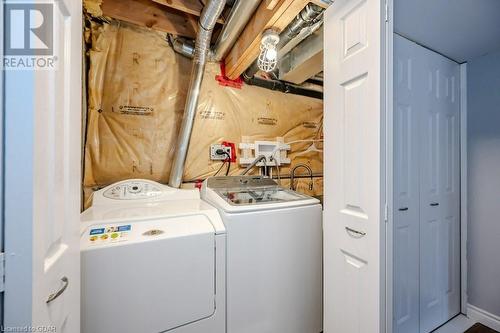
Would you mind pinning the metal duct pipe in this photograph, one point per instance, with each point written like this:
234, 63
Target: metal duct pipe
208, 18
240, 14
305, 18
182, 46
238, 18
306, 32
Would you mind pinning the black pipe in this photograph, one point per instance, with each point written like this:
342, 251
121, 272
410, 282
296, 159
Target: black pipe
282, 86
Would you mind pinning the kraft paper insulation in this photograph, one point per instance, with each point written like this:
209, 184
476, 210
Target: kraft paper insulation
137, 88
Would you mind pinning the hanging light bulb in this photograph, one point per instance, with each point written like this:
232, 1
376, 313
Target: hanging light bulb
268, 57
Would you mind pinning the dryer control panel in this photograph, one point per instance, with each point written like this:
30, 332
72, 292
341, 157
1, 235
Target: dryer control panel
133, 190
140, 191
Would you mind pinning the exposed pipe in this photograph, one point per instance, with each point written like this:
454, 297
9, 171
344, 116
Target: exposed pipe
283, 87
182, 46
292, 176
254, 163
307, 16
306, 32
208, 18
240, 14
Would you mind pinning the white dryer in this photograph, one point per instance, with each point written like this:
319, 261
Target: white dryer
152, 260
274, 255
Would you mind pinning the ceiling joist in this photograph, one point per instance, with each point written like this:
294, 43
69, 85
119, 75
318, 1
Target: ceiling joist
150, 14
193, 7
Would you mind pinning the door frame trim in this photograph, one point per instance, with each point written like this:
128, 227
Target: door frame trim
463, 188
389, 164
2, 151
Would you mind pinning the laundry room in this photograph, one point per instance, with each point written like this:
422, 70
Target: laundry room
171, 127
250, 166
137, 86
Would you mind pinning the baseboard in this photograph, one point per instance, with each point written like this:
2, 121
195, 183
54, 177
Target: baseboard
483, 317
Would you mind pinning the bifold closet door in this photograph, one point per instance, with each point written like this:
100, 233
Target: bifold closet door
439, 190
426, 188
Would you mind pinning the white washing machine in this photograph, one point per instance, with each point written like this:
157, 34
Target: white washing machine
152, 260
274, 255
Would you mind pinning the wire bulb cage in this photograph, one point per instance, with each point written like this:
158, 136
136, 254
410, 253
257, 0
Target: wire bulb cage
268, 57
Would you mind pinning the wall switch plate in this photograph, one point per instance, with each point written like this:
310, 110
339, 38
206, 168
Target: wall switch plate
214, 156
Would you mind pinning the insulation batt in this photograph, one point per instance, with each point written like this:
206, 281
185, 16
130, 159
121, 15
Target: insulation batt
136, 93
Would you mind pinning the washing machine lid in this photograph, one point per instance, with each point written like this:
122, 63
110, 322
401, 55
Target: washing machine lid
149, 276
246, 193
257, 196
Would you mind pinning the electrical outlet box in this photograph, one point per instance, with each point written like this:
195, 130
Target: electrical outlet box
215, 156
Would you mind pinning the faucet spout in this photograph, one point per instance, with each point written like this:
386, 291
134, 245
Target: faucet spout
292, 175
254, 163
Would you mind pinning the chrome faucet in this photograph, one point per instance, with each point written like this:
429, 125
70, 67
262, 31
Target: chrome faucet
254, 163
292, 175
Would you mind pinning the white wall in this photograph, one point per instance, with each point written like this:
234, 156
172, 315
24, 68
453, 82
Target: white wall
459, 29
484, 182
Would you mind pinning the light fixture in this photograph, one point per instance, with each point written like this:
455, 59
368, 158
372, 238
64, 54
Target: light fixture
268, 57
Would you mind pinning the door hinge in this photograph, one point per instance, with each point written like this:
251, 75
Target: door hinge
386, 213
386, 12
2, 272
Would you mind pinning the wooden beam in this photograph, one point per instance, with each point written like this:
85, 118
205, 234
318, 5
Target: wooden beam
193, 7
149, 14
247, 47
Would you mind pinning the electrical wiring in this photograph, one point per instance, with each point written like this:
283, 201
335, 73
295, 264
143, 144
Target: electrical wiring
229, 162
222, 165
305, 140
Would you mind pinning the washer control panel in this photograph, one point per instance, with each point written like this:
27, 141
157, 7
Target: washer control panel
133, 190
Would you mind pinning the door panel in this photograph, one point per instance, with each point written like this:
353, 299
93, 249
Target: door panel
406, 190
440, 244
450, 201
353, 169
50, 122
430, 213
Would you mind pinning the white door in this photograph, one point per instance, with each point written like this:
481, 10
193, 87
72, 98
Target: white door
354, 167
42, 174
439, 196
407, 106
426, 212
